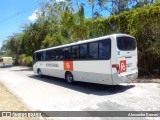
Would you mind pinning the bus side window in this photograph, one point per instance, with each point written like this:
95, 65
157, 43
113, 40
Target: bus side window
52, 55
61, 53
93, 50
83, 53
44, 55
75, 52
68, 53
48, 54
56, 54
36, 57
39, 56
105, 49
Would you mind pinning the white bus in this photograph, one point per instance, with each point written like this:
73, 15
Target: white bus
6, 61
107, 60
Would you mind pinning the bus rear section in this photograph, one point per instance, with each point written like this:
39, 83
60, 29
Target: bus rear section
124, 67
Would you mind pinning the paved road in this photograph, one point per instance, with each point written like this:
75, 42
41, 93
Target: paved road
48, 93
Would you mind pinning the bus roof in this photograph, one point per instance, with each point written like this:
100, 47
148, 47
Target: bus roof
83, 41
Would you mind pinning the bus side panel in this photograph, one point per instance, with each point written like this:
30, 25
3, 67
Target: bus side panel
55, 68
50, 68
92, 77
95, 71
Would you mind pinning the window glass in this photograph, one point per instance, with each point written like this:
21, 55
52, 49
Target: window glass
83, 54
48, 55
126, 43
93, 50
56, 53
68, 53
61, 53
52, 55
39, 56
44, 55
75, 52
105, 49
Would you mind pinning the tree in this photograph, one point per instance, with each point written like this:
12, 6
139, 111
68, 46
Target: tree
96, 13
13, 45
142, 3
81, 31
119, 6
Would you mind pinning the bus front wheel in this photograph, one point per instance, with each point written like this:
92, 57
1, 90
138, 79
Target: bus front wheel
39, 72
69, 77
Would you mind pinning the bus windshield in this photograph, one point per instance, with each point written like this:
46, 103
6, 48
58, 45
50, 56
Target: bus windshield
1, 59
126, 43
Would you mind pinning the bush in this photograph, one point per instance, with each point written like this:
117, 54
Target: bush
28, 61
21, 60
143, 24
25, 60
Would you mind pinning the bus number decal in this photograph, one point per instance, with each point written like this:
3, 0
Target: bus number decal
68, 65
122, 66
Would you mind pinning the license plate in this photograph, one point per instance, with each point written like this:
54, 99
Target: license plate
130, 76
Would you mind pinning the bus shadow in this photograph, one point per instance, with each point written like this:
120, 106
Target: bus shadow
87, 88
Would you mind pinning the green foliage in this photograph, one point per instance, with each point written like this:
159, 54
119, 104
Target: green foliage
28, 61
54, 40
143, 23
25, 60
7, 54
119, 6
58, 24
21, 60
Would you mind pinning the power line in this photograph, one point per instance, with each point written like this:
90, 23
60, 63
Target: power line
3, 35
14, 15
6, 36
10, 17
3, 38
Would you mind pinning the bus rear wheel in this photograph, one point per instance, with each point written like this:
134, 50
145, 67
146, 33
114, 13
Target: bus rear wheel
69, 78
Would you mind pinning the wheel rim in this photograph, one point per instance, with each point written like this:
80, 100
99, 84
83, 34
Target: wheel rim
69, 78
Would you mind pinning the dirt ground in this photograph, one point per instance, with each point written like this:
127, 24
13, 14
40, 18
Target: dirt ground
9, 102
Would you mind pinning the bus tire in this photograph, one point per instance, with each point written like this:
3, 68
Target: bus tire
69, 78
39, 73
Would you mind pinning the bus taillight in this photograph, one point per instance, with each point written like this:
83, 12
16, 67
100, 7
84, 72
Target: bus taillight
116, 66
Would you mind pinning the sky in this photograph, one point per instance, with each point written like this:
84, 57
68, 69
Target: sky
15, 13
